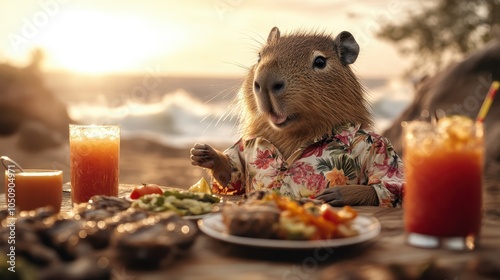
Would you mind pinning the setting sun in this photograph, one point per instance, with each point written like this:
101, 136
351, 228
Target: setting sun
92, 42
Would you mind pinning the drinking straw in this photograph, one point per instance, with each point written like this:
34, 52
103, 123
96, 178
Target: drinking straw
487, 101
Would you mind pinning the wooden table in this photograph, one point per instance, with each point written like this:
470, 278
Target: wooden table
213, 259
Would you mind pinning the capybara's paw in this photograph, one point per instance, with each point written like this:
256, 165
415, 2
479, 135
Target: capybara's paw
332, 196
349, 195
203, 155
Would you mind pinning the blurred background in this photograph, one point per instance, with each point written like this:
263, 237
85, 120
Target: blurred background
167, 71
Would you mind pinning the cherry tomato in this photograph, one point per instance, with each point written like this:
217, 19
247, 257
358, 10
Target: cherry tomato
331, 215
145, 189
346, 214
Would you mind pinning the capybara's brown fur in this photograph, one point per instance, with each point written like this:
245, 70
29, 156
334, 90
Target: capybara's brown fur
285, 83
300, 89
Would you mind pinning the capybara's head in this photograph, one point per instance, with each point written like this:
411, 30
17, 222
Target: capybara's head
302, 86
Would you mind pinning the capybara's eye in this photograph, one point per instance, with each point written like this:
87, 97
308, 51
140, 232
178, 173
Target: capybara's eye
319, 62
258, 58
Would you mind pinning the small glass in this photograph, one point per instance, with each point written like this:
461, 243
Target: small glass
33, 188
443, 192
94, 161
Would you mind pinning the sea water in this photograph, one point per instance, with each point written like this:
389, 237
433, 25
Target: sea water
179, 111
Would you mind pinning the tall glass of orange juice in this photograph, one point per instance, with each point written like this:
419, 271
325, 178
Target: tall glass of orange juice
443, 191
33, 188
94, 161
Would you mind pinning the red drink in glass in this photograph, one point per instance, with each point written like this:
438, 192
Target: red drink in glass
443, 191
94, 156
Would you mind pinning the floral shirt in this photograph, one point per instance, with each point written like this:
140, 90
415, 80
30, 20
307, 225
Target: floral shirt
349, 155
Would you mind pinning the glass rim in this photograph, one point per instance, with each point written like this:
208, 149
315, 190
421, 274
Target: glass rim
93, 131
477, 127
36, 170
94, 125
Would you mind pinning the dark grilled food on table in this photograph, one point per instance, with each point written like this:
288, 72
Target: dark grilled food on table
99, 232
251, 220
105, 231
156, 238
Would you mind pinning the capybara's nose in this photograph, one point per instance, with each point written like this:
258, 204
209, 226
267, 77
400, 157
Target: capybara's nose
268, 83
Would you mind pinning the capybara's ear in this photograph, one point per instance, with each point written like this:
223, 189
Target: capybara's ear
274, 35
346, 47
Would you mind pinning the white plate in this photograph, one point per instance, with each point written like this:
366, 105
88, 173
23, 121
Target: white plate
212, 225
195, 217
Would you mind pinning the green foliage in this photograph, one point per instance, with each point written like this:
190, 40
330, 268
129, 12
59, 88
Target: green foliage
436, 31
344, 162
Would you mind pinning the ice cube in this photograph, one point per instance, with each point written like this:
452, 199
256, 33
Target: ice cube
456, 131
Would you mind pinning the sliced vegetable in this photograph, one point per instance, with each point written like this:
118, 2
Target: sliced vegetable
145, 189
327, 222
201, 186
191, 195
183, 203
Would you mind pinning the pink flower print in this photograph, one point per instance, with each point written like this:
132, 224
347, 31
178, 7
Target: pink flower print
346, 136
394, 188
264, 159
316, 183
393, 168
305, 175
343, 137
300, 171
315, 149
379, 146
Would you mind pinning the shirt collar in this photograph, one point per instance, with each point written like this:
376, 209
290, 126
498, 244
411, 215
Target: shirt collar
338, 129
330, 134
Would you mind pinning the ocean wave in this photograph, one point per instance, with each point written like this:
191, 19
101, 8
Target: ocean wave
177, 119
180, 118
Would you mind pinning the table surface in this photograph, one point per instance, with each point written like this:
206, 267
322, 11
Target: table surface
213, 259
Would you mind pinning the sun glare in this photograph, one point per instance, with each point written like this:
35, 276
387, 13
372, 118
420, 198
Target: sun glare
92, 42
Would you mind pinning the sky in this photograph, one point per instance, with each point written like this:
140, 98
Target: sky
189, 37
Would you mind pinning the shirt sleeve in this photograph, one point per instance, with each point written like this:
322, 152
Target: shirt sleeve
236, 184
384, 171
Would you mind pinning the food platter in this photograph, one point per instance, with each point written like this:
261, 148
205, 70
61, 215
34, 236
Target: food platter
212, 225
